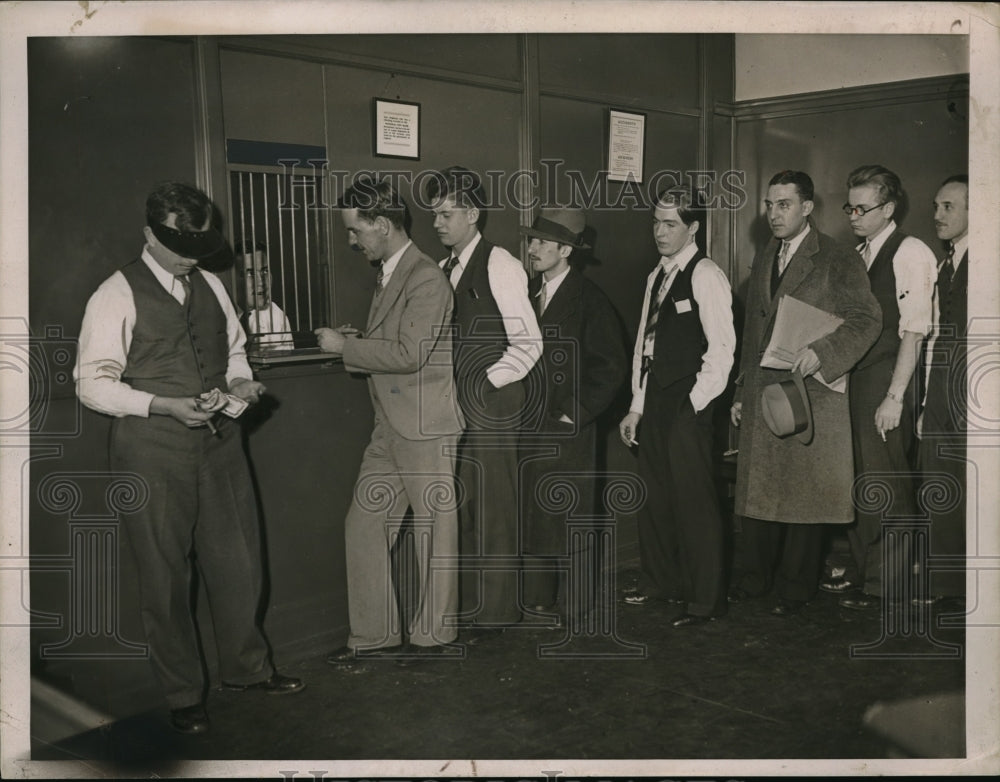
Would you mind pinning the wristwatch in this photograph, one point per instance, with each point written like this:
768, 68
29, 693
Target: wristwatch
893, 397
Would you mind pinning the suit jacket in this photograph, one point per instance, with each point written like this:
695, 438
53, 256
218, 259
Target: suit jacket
583, 366
784, 479
407, 352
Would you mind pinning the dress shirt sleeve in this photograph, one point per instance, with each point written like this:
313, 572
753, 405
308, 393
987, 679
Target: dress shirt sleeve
105, 339
715, 307
915, 269
235, 336
509, 284
638, 385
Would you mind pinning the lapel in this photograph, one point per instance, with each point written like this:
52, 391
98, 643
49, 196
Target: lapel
565, 302
382, 305
799, 267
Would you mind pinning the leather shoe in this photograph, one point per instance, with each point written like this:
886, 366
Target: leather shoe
837, 585
190, 719
738, 595
477, 635
690, 620
636, 598
416, 655
276, 685
861, 601
788, 607
346, 655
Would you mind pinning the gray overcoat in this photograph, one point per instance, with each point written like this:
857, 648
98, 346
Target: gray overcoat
783, 479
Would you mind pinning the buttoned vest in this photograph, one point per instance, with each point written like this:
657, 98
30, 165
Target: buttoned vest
480, 336
680, 341
882, 277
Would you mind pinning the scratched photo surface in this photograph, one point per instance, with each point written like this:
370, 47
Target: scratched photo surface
435, 426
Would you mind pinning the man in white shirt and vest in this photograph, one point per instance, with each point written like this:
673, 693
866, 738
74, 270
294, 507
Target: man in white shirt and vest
901, 270
681, 363
497, 342
944, 421
157, 335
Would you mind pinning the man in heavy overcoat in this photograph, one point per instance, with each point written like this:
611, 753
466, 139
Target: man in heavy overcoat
787, 488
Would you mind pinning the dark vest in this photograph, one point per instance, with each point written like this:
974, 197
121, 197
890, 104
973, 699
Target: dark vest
481, 338
680, 341
177, 350
883, 281
946, 384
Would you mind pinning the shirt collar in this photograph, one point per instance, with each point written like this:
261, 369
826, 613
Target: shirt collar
681, 259
793, 244
555, 282
961, 246
463, 257
390, 263
165, 278
875, 242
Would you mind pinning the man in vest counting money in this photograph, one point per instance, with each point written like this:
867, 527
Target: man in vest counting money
162, 352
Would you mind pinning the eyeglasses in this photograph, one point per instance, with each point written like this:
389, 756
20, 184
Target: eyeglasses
860, 211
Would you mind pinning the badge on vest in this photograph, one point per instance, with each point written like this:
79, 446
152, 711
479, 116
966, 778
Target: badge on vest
473, 294
684, 305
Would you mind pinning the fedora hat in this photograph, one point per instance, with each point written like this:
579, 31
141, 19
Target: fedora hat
563, 224
786, 409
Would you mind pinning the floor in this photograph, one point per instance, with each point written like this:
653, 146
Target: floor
748, 685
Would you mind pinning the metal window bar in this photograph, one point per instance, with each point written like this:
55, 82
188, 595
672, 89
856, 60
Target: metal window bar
278, 282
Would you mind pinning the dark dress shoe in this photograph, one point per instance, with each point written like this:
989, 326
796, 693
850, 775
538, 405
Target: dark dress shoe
477, 635
276, 685
690, 620
737, 595
788, 607
190, 719
345, 655
417, 655
862, 601
637, 598
837, 585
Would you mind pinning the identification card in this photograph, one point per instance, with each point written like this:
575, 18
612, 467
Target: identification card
684, 305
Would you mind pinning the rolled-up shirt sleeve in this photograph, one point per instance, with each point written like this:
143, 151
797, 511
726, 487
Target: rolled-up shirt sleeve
915, 269
509, 285
105, 339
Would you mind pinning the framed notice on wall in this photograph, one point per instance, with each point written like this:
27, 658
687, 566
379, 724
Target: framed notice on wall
395, 129
626, 145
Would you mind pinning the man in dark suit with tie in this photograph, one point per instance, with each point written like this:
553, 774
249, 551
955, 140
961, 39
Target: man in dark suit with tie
681, 363
943, 424
582, 368
497, 342
787, 488
406, 353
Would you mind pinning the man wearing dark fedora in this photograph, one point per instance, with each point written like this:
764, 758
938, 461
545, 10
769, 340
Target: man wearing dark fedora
496, 343
581, 371
162, 352
681, 363
788, 487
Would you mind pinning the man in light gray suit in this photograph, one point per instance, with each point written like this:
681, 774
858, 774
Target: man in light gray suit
410, 462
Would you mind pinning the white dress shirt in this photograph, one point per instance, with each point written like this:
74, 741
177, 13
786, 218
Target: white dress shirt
509, 286
389, 264
549, 287
106, 336
915, 269
793, 246
714, 297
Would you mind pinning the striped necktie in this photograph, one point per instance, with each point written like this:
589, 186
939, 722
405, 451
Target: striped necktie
653, 312
186, 287
378, 281
949, 263
449, 267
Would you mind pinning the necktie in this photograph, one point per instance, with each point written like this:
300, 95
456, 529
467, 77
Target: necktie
449, 267
778, 267
867, 254
378, 281
783, 257
653, 312
186, 287
543, 297
949, 263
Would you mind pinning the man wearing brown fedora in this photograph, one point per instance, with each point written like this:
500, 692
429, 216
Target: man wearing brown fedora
681, 363
787, 488
582, 368
496, 343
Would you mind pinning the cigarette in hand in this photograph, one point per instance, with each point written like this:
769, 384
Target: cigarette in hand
882, 434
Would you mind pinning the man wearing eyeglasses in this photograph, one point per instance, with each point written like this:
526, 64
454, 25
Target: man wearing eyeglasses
901, 270
787, 488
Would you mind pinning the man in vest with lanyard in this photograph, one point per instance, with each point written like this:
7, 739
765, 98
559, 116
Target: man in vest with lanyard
681, 363
158, 338
944, 420
497, 342
901, 270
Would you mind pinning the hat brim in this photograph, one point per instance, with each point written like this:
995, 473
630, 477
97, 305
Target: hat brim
790, 412
207, 245
537, 234
806, 435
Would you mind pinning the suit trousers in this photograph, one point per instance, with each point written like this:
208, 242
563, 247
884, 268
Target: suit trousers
681, 534
201, 503
787, 557
884, 487
397, 474
487, 476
